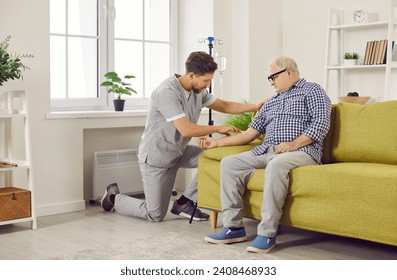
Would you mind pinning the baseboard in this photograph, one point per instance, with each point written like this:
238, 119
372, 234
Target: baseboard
60, 208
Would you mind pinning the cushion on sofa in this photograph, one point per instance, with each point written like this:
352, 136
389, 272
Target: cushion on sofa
365, 133
344, 198
327, 144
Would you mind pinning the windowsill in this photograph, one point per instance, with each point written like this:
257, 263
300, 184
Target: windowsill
100, 114
95, 114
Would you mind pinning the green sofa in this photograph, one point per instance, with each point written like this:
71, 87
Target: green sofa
353, 193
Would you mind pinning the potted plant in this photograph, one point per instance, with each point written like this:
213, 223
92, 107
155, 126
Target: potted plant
351, 58
241, 120
11, 66
119, 87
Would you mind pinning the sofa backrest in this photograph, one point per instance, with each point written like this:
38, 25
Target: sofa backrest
327, 145
363, 133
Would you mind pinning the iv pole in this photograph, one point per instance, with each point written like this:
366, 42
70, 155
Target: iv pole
210, 121
211, 41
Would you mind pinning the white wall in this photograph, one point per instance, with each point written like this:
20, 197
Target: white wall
56, 153
251, 32
195, 22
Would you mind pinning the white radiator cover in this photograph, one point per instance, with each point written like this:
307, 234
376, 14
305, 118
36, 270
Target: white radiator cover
116, 166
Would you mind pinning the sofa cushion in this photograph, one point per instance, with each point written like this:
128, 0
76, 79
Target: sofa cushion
343, 199
332, 200
365, 133
327, 144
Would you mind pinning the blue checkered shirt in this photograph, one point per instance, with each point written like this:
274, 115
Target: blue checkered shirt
303, 109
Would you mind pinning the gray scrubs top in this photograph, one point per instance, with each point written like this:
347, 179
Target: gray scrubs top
162, 144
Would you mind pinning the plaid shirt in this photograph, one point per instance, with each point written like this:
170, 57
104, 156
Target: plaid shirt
302, 109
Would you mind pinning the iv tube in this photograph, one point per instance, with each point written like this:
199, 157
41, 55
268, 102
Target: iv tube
221, 61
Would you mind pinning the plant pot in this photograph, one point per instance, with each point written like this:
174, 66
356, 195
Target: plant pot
119, 104
350, 62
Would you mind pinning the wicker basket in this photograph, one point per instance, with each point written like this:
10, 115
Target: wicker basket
14, 203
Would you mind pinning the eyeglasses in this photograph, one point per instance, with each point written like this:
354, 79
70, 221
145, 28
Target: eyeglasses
274, 76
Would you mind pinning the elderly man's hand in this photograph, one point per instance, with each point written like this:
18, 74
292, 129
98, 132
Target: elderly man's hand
285, 147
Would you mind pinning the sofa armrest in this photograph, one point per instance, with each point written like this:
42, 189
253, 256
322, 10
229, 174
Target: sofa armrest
221, 152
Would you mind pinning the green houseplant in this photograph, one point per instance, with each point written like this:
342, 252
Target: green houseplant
351, 58
11, 65
119, 87
241, 121
349, 55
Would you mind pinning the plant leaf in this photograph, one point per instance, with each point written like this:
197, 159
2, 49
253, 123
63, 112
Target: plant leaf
131, 89
106, 84
241, 121
111, 75
125, 91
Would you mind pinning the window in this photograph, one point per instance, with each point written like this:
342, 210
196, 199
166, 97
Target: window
91, 37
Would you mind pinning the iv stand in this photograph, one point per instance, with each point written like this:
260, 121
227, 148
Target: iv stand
210, 121
211, 41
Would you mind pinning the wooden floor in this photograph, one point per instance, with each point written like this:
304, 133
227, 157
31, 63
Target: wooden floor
68, 233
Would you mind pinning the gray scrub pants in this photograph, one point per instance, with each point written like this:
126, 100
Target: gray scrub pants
236, 171
157, 186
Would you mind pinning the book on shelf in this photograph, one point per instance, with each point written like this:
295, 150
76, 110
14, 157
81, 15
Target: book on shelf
382, 53
367, 52
376, 52
392, 49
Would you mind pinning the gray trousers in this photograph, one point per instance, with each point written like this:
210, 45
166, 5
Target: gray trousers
236, 171
157, 186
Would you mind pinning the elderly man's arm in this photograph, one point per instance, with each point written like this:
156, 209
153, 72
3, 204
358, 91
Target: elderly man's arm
242, 138
298, 142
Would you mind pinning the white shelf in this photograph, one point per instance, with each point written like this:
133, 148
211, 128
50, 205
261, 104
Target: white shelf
337, 67
21, 220
6, 169
392, 65
338, 32
15, 148
360, 25
9, 116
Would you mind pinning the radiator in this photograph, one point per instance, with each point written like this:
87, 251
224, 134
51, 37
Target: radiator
116, 166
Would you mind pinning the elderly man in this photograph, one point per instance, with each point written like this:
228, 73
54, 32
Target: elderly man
295, 122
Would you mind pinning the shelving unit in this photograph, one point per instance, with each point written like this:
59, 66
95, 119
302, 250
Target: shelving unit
15, 148
337, 31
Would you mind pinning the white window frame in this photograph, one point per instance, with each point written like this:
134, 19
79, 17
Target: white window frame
106, 13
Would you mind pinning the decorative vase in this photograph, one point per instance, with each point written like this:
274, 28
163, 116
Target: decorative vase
350, 62
119, 104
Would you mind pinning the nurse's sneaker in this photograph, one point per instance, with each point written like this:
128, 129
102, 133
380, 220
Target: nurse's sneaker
227, 236
261, 244
106, 203
186, 210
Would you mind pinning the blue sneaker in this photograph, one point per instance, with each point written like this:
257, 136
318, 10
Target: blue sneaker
261, 244
227, 236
